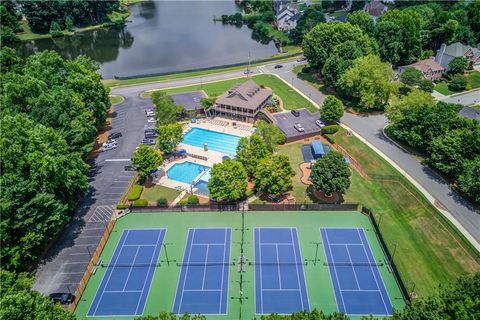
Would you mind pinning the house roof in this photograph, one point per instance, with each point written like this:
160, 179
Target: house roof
425, 65
471, 113
375, 8
246, 95
447, 53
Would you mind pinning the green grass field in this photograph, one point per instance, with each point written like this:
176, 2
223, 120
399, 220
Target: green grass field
157, 192
473, 80
291, 99
115, 99
429, 250
164, 283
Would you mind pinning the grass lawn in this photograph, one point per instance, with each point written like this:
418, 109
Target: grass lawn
115, 99
277, 58
157, 192
473, 79
291, 99
429, 251
309, 78
28, 34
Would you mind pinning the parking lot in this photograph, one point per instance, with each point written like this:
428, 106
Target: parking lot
286, 121
66, 262
189, 100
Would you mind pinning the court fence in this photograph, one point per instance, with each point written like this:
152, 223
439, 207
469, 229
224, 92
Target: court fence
93, 264
407, 296
249, 207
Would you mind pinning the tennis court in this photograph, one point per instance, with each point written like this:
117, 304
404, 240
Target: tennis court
279, 278
203, 282
358, 285
126, 283
225, 267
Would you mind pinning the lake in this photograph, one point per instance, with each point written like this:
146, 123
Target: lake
162, 36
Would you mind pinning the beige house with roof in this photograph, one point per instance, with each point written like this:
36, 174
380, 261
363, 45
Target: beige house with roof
243, 102
429, 68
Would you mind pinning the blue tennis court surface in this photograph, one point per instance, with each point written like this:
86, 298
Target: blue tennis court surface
125, 286
203, 283
358, 285
279, 277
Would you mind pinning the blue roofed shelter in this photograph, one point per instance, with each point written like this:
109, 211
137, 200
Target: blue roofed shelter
318, 149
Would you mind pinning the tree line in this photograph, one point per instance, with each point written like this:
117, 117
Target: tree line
51, 109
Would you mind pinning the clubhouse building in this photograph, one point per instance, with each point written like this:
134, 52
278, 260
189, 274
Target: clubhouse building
243, 102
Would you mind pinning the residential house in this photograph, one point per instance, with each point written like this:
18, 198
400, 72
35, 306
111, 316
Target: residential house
447, 53
286, 15
375, 9
243, 102
429, 68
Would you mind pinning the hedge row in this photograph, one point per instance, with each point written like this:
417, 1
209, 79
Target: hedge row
135, 193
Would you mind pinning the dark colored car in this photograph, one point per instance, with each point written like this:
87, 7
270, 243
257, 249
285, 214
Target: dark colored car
150, 135
62, 297
129, 167
114, 135
296, 113
278, 66
149, 142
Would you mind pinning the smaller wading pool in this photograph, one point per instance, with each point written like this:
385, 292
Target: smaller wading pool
186, 172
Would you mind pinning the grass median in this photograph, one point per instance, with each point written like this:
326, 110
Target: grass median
428, 250
291, 99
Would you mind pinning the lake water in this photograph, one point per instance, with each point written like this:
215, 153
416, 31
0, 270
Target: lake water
162, 36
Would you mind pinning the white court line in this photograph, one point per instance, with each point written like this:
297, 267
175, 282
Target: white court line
202, 290
335, 270
130, 271
260, 256
367, 290
296, 269
186, 272
293, 290
353, 269
205, 267
278, 268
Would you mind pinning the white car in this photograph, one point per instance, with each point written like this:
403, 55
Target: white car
299, 127
109, 147
151, 120
150, 113
319, 123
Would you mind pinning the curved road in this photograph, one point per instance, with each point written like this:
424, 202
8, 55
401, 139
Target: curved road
368, 127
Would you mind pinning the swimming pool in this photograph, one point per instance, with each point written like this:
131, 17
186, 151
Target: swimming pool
186, 172
217, 141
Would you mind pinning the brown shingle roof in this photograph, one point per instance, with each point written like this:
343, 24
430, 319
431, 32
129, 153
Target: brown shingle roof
425, 65
246, 95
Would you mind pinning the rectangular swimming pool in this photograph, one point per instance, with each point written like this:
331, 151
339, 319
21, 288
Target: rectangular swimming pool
217, 141
186, 172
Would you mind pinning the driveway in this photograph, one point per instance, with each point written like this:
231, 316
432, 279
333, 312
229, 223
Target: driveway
64, 265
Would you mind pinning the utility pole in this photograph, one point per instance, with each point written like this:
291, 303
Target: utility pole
248, 70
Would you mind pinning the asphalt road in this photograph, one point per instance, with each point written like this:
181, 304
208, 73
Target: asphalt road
64, 265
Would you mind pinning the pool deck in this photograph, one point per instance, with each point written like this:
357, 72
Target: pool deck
213, 157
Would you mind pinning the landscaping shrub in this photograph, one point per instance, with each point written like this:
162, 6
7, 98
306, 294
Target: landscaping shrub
330, 139
162, 202
193, 199
458, 83
330, 129
135, 193
140, 203
141, 180
122, 206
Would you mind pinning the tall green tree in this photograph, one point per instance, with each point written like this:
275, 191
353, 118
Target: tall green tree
19, 302
319, 42
146, 159
310, 18
250, 151
399, 35
169, 136
368, 82
41, 181
271, 134
458, 65
411, 76
331, 174
166, 111
469, 179
228, 181
363, 20
274, 175
332, 109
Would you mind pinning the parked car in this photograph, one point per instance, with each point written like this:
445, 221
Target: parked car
149, 142
278, 66
319, 123
129, 167
114, 135
295, 113
62, 297
150, 135
248, 71
299, 127
273, 198
151, 120
301, 59
109, 147
150, 113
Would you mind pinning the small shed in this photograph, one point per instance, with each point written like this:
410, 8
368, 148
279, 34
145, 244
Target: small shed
317, 149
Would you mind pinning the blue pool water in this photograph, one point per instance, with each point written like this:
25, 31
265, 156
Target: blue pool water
217, 141
185, 172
